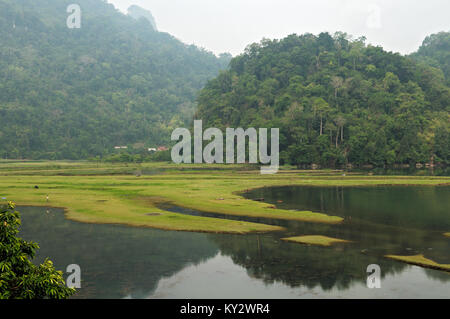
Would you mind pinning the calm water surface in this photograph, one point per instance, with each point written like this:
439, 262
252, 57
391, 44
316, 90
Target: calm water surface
126, 262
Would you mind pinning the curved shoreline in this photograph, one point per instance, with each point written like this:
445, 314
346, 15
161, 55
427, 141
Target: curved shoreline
114, 199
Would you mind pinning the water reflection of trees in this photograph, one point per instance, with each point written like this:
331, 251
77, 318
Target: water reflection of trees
421, 207
115, 261
381, 220
438, 275
120, 261
270, 260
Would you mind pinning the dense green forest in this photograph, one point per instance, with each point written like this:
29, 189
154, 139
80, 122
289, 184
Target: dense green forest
77, 93
435, 51
338, 100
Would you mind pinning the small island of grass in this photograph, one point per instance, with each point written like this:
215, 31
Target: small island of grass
420, 260
315, 240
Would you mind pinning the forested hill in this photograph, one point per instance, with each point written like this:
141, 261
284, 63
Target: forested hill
435, 51
76, 93
138, 13
335, 100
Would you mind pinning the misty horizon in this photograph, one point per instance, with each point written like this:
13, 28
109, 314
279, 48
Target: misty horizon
230, 27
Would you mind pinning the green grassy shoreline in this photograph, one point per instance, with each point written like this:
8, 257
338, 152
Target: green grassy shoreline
128, 200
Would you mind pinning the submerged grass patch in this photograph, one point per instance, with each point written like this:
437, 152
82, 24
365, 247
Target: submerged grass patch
315, 240
420, 260
119, 198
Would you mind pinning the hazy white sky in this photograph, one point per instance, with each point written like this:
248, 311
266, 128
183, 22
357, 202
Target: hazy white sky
230, 25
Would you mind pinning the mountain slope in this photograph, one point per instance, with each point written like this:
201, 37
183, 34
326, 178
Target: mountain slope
435, 50
75, 93
137, 12
335, 100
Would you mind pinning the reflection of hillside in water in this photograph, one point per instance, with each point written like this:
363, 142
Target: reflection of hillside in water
268, 259
421, 207
115, 261
403, 220
438, 275
296, 265
120, 261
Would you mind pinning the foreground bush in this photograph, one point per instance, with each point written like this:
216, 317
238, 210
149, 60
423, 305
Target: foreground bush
19, 277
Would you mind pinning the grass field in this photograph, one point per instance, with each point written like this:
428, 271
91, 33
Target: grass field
130, 193
318, 240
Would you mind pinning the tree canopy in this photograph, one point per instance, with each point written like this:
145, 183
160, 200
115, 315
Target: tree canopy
19, 277
435, 51
336, 100
77, 93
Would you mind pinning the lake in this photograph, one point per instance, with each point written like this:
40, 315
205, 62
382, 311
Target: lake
125, 262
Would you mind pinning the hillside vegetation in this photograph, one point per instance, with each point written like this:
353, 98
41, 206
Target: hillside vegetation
77, 93
435, 50
336, 101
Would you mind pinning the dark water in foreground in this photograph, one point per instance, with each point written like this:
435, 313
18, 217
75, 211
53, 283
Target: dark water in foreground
126, 262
